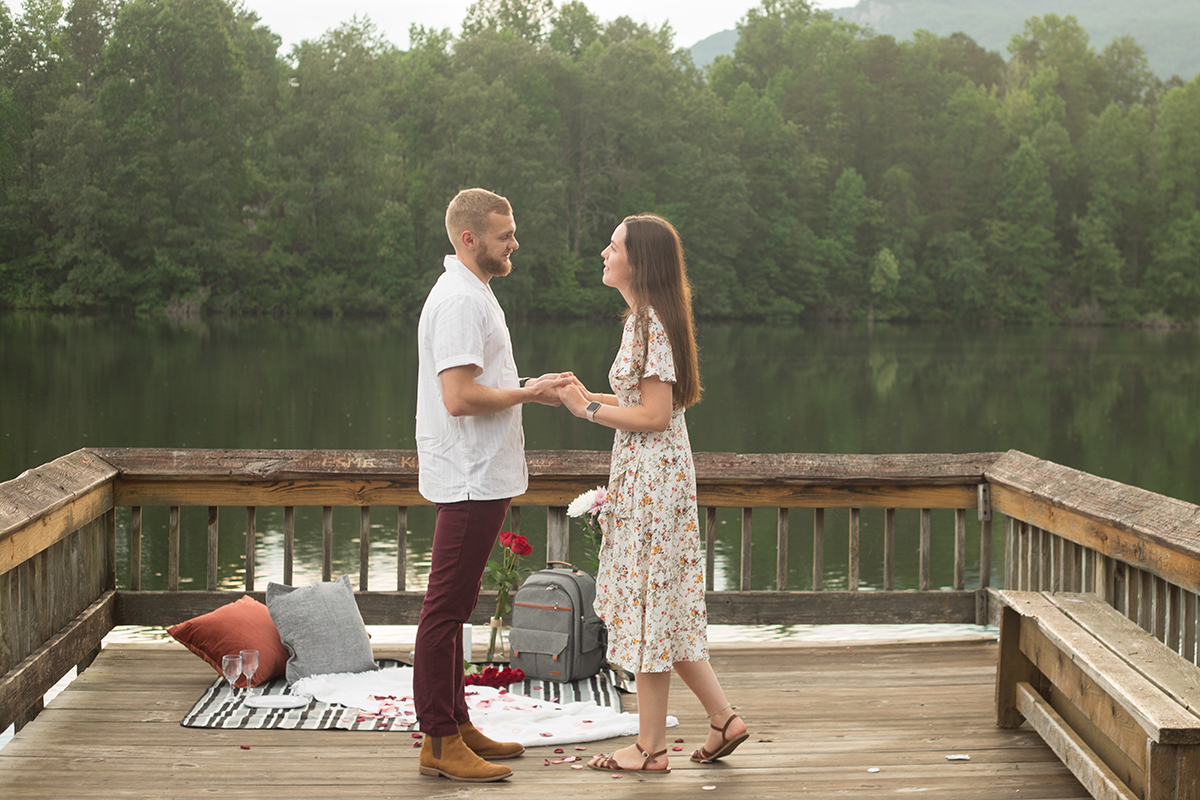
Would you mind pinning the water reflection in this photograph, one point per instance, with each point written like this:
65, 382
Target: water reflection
1124, 404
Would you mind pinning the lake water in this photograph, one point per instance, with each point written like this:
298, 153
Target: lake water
1124, 404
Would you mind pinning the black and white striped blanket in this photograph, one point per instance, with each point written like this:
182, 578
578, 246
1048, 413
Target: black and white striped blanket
219, 708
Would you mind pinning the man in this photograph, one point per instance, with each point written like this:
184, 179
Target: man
472, 463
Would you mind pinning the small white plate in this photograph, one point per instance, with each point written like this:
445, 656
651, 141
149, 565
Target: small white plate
276, 701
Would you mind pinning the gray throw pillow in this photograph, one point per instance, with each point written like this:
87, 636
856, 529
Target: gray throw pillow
321, 627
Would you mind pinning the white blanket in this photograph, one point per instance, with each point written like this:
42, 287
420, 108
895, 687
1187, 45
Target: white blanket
497, 713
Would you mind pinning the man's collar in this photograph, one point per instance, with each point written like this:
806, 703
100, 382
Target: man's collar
452, 263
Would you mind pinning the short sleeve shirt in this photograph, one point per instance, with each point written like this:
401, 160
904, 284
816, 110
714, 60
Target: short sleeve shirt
479, 457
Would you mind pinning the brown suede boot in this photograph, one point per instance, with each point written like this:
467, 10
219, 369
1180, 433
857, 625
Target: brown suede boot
487, 748
449, 757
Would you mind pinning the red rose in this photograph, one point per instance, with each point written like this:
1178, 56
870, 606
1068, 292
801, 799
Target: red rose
506, 538
520, 546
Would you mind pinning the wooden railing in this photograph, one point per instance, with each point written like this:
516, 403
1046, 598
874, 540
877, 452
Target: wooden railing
58, 539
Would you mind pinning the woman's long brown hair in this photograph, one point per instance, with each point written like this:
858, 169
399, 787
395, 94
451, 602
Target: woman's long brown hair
660, 281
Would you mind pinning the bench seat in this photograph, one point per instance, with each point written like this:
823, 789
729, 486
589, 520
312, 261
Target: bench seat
1118, 707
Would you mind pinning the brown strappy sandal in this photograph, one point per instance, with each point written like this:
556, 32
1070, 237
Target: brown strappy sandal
609, 764
728, 745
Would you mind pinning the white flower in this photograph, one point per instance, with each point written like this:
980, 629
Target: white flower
582, 504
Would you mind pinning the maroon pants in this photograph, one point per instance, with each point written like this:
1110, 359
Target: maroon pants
462, 541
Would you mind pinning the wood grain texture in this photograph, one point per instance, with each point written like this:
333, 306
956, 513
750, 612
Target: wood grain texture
1053, 631
1151, 531
725, 608
819, 717
389, 477
1100, 781
26, 682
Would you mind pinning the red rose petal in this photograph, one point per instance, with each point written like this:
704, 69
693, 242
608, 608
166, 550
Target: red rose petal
245, 747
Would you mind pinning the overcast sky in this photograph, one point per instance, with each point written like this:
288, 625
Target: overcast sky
692, 20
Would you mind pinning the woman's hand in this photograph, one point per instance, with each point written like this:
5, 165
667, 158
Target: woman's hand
575, 397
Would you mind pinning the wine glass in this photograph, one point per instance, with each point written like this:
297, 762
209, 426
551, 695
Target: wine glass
249, 667
231, 668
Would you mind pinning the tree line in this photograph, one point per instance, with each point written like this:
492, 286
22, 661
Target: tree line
164, 155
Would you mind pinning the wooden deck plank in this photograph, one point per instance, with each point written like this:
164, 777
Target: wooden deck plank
820, 717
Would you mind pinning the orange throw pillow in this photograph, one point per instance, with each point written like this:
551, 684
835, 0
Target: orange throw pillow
242, 625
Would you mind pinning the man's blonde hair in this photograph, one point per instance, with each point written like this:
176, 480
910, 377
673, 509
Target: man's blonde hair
469, 211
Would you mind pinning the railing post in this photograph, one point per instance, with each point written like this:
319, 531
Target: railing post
747, 543
781, 551
925, 578
251, 541
558, 541
173, 549
710, 546
1189, 626
402, 546
289, 543
1174, 617
960, 548
135, 548
364, 547
213, 538
818, 549
889, 549
855, 529
327, 543
110, 549
985, 553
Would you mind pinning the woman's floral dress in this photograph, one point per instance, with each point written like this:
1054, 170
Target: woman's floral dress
650, 586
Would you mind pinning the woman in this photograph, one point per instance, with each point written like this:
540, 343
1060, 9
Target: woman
650, 586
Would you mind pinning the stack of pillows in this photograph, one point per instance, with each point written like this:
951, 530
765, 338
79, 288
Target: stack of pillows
314, 630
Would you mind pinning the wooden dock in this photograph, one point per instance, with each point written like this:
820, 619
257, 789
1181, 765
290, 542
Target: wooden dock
820, 718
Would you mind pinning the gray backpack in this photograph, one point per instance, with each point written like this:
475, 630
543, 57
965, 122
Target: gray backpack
555, 634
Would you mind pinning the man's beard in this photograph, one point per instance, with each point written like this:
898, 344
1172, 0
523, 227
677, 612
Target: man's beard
493, 266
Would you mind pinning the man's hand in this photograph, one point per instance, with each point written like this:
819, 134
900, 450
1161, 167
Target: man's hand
463, 397
546, 387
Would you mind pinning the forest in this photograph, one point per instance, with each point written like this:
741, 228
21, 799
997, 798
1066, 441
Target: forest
163, 156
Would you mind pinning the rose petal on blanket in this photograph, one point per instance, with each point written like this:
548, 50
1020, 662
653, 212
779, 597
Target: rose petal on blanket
532, 721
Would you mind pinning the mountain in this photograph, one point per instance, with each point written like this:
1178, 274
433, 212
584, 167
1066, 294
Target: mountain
1166, 28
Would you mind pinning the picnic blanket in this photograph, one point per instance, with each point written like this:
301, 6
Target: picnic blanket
531, 712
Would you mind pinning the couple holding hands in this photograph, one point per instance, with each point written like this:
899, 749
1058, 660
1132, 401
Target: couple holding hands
650, 584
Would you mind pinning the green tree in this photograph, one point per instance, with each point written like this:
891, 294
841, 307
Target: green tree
573, 28
526, 19
175, 177
1172, 280
332, 169
849, 242
1020, 239
1131, 80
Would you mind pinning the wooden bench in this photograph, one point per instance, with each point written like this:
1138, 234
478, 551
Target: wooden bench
1118, 707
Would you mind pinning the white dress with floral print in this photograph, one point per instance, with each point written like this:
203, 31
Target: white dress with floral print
650, 586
